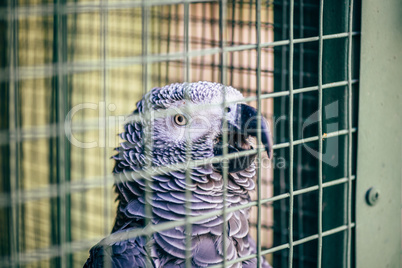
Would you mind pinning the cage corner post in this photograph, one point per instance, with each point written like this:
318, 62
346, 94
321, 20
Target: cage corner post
378, 235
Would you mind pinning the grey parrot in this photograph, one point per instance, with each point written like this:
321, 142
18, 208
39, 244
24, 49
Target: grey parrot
193, 116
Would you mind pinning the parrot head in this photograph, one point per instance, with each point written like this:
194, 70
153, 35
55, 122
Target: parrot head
184, 118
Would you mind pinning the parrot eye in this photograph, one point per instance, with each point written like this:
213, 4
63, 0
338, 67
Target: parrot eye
180, 119
227, 109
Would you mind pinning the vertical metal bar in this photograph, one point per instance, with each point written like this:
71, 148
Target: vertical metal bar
233, 32
103, 17
186, 41
345, 194
349, 201
212, 8
259, 181
320, 189
203, 37
168, 41
33, 118
159, 31
186, 22
148, 130
145, 44
62, 96
249, 52
282, 179
242, 32
299, 148
222, 38
291, 198
105, 99
345, 164
15, 132
176, 17
145, 79
83, 223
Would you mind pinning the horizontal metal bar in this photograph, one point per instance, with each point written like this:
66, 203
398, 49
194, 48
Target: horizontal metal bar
326, 233
68, 68
50, 130
88, 7
315, 138
300, 90
308, 39
306, 190
324, 185
97, 182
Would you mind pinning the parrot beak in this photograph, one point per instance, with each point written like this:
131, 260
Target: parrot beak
244, 126
247, 124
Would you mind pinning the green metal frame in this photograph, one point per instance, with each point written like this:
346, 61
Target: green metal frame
378, 235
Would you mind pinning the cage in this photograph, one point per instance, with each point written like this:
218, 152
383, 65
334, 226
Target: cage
72, 69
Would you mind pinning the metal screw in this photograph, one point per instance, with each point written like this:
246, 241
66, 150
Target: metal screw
372, 196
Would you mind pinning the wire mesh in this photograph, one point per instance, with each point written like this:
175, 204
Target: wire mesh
290, 59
